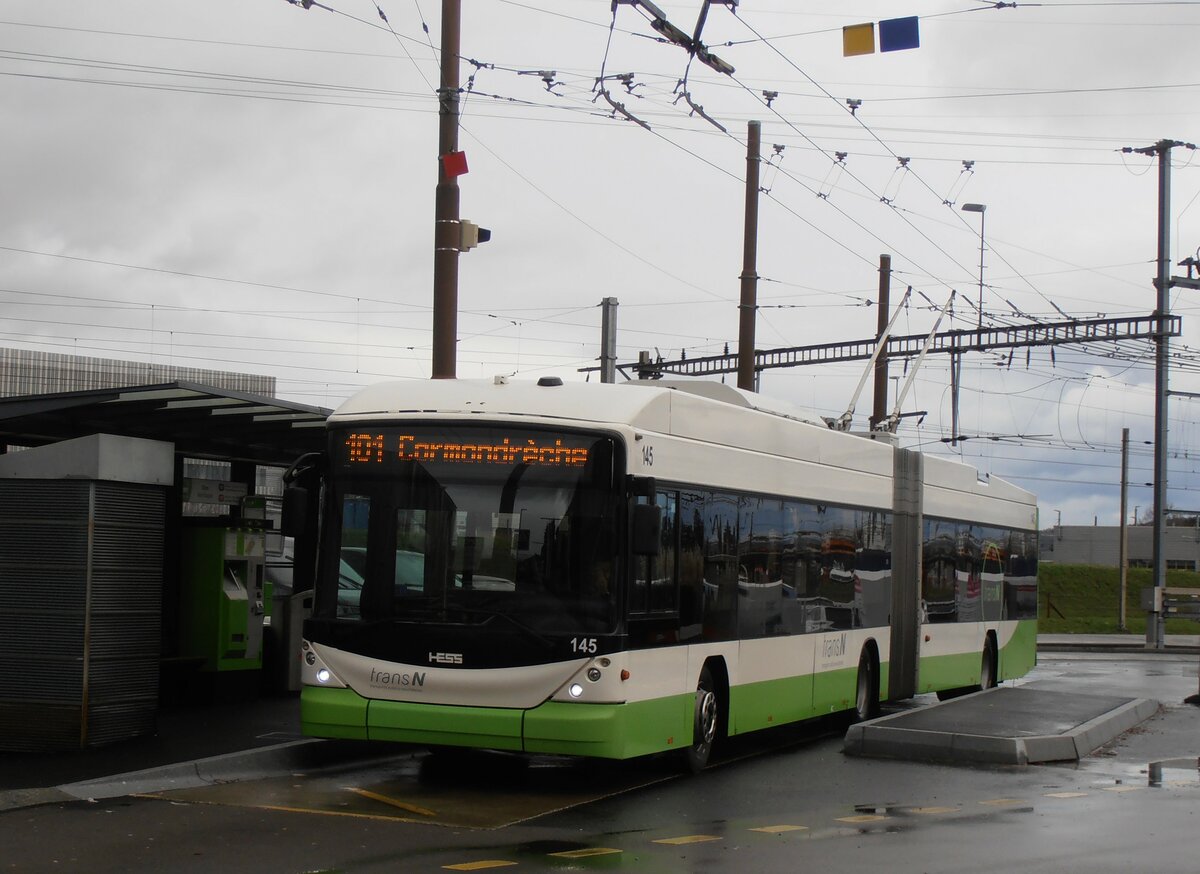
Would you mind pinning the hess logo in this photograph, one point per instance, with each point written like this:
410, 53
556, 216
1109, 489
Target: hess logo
445, 658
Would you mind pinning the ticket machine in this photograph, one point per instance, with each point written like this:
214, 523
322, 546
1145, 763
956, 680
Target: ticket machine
223, 600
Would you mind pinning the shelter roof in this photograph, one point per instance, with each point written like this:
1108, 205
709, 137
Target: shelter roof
203, 421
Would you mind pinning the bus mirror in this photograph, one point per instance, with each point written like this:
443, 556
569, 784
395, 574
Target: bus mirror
642, 487
647, 529
295, 509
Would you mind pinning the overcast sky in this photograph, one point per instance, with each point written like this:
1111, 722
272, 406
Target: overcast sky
249, 186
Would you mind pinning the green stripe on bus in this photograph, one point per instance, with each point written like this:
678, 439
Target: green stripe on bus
611, 731
949, 671
445, 725
1019, 655
339, 713
771, 702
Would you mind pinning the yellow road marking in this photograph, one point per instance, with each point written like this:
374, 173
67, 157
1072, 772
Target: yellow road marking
394, 802
864, 817
1065, 795
281, 808
780, 829
688, 839
583, 854
933, 810
1000, 802
479, 866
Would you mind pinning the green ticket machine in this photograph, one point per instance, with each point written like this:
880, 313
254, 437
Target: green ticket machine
223, 601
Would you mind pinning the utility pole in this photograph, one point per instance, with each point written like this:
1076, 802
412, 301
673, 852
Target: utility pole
608, 340
749, 301
1154, 636
1162, 284
1123, 548
447, 233
879, 406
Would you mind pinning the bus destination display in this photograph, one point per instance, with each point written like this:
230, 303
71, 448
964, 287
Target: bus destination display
465, 448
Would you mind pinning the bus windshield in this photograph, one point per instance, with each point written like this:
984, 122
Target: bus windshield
472, 525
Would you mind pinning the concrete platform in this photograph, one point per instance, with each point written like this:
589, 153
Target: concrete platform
1010, 726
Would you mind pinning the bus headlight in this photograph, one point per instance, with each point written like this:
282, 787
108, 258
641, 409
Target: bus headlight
593, 674
575, 690
323, 675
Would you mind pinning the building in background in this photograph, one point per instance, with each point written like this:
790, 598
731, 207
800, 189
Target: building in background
1100, 545
29, 372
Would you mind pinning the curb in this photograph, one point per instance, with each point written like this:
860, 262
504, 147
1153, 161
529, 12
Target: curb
878, 739
310, 754
1132, 649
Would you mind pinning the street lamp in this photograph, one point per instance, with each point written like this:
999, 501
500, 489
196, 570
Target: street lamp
980, 208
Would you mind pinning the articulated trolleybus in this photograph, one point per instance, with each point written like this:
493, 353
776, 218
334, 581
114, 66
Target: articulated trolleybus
620, 570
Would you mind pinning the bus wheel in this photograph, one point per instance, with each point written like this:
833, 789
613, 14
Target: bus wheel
987, 669
866, 695
706, 719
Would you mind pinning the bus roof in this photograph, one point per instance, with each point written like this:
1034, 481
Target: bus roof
696, 409
583, 401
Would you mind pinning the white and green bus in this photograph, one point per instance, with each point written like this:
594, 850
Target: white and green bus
621, 570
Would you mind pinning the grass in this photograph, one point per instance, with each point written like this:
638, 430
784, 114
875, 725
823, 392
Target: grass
1082, 599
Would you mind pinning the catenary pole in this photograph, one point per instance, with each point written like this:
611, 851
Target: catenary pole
879, 405
447, 234
748, 308
1123, 545
1154, 636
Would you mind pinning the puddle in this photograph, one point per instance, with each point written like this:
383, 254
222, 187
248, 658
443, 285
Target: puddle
1174, 772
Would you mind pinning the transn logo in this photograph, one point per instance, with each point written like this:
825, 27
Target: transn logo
446, 658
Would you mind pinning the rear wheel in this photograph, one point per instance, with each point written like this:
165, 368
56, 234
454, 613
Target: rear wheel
705, 722
866, 695
987, 668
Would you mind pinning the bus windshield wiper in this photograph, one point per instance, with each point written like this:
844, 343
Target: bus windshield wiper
483, 611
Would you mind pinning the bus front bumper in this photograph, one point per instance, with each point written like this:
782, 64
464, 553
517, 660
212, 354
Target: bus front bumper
609, 731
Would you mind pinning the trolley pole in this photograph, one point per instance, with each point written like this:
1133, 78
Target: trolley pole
447, 235
749, 302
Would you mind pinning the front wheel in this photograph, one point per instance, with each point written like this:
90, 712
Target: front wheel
706, 719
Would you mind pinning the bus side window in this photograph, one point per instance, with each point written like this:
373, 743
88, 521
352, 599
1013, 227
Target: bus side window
691, 566
663, 584
659, 593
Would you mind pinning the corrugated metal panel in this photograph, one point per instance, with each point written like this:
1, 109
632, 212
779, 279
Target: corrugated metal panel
61, 630
28, 372
57, 726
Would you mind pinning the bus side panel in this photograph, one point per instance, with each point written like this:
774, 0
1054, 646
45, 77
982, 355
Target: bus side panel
771, 682
834, 690
772, 702
445, 725
335, 713
835, 669
1018, 654
610, 731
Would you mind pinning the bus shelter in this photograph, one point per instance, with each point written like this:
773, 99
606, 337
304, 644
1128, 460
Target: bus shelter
125, 581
